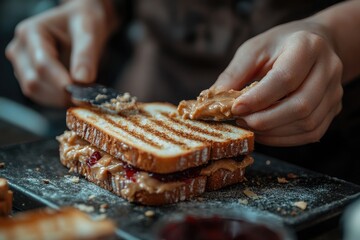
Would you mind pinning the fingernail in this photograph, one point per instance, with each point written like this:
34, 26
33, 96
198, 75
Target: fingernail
81, 74
240, 109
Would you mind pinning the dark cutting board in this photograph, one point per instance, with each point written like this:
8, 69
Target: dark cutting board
27, 165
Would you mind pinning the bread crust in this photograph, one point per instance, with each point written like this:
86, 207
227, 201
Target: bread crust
147, 161
190, 188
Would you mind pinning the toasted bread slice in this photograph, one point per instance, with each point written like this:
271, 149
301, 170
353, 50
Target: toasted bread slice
144, 187
65, 223
158, 140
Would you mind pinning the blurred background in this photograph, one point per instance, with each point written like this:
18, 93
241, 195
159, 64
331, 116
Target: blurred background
20, 118
33, 120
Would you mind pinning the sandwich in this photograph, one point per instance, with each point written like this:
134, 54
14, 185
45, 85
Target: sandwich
154, 156
212, 104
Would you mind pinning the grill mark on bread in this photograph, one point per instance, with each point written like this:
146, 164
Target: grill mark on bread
181, 134
192, 127
127, 130
157, 133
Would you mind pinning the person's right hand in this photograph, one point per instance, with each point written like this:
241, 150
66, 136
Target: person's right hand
60, 46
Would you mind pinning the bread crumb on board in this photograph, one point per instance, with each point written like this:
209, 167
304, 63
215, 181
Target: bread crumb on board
243, 201
85, 208
300, 204
282, 180
250, 194
149, 213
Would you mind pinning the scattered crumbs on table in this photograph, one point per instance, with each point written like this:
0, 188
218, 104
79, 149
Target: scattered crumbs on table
282, 180
46, 181
250, 194
85, 208
74, 179
300, 204
243, 201
292, 176
91, 197
149, 213
103, 207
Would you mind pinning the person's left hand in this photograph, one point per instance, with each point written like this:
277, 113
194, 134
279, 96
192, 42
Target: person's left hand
300, 88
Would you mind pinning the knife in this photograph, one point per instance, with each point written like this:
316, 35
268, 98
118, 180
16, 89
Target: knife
101, 97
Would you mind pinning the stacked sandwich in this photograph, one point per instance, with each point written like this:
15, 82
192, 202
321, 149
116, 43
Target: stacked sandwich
154, 156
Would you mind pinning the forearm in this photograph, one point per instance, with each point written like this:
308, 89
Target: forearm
342, 22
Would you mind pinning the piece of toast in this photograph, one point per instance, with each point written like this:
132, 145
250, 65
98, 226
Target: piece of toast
65, 223
142, 187
157, 140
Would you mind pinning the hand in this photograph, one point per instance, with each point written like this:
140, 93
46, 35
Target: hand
300, 88
44, 45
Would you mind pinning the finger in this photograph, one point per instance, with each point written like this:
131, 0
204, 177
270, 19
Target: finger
287, 74
328, 105
299, 105
300, 139
86, 41
242, 68
36, 85
44, 59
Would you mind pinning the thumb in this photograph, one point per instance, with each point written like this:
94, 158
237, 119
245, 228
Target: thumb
86, 48
242, 69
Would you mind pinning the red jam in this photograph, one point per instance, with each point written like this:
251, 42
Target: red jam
95, 156
216, 228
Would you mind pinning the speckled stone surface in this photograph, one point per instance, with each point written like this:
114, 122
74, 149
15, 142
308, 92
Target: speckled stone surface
28, 165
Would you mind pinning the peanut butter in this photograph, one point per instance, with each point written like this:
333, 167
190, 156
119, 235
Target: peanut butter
77, 150
211, 104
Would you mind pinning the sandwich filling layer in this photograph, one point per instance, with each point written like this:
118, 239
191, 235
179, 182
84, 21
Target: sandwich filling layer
126, 180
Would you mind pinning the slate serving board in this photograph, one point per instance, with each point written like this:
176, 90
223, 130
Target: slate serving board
27, 165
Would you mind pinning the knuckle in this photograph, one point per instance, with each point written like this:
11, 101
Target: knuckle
10, 51
309, 124
302, 108
315, 136
29, 86
337, 65
317, 42
22, 29
257, 124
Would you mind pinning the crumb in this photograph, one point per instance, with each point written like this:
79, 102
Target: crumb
91, 197
282, 180
149, 213
292, 176
84, 208
243, 201
2, 164
200, 199
46, 181
250, 194
300, 204
268, 162
100, 96
278, 209
37, 169
103, 207
74, 179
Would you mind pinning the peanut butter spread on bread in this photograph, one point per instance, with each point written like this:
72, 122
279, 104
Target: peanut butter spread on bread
76, 153
212, 104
